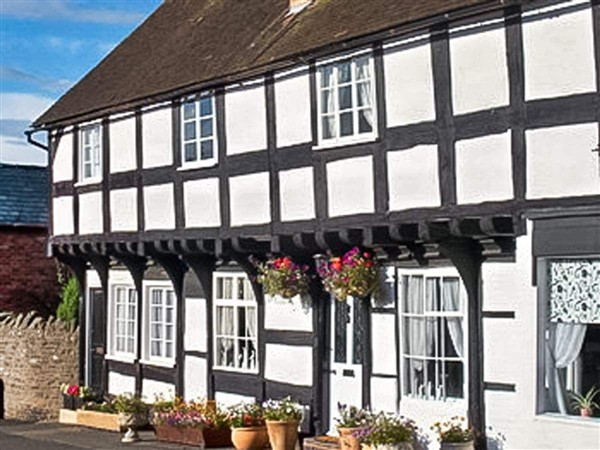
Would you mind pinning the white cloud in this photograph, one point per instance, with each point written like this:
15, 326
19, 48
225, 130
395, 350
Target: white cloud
47, 84
18, 106
19, 152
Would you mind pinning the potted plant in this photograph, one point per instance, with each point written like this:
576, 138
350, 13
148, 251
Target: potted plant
133, 413
351, 420
388, 432
74, 395
585, 403
354, 274
281, 276
282, 418
454, 434
217, 431
99, 415
179, 421
248, 430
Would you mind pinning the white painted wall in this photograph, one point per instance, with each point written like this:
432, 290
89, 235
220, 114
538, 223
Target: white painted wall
195, 378
560, 161
484, 169
246, 119
297, 194
157, 141
288, 314
559, 54
152, 389
201, 200
90, 213
409, 83
383, 394
413, 178
249, 199
120, 384
121, 277
350, 188
229, 399
289, 364
383, 333
159, 207
122, 144
62, 215
123, 209
292, 108
479, 72
195, 338
62, 167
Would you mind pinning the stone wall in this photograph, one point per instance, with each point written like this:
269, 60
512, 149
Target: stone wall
36, 356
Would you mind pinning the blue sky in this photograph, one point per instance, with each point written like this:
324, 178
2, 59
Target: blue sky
46, 46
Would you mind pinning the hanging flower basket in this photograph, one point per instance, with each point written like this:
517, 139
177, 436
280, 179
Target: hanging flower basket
354, 274
283, 277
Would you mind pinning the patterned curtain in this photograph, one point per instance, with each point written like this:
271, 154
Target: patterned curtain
575, 291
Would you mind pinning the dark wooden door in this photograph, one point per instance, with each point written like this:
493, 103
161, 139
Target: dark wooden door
97, 338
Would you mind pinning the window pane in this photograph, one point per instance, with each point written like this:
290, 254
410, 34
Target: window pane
189, 131
206, 149
453, 337
156, 348
206, 126
327, 101
240, 288
120, 344
130, 345
454, 379
87, 171
170, 298
363, 91
241, 331
169, 350
414, 336
432, 301
189, 110
344, 72
328, 124
365, 121
228, 288
86, 137
362, 68
225, 352
326, 76
130, 329
342, 311
169, 315
413, 294
450, 295
225, 320
169, 332
156, 331
131, 312
345, 97
206, 106
346, 124
156, 297
190, 152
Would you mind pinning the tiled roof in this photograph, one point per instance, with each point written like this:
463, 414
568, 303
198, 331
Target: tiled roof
187, 43
23, 195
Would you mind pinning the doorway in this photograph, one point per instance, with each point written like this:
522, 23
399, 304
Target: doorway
97, 338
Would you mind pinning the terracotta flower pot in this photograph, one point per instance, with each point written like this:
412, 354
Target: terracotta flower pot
469, 445
217, 437
250, 438
397, 446
283, 434
585, 412
179, 435
347, 440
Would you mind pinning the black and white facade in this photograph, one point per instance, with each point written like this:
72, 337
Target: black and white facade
461, 152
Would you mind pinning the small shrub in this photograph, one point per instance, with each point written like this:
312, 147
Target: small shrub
68, 309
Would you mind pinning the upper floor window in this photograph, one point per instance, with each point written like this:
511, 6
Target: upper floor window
123, 322
346, 101
90, 153
199, 131
236, 323
159, 342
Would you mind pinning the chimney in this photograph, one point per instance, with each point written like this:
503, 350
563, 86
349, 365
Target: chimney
298, 5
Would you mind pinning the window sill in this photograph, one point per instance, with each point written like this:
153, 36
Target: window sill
198, 165
233, 370
353, 140
88, 182
153, 362
120, 358
587, 422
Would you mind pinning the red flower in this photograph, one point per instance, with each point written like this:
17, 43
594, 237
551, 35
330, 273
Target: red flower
366, 255
336, 264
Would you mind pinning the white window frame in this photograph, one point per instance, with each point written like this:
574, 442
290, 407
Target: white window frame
356, 137
236, 303
440, 274
165, 287
113, 352
198, 162
95, 149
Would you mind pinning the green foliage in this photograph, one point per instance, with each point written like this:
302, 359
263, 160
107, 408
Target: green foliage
68, 309
585, 401
130, 404
285, 409
246, 415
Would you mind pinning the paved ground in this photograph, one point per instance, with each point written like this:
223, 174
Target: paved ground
56, 436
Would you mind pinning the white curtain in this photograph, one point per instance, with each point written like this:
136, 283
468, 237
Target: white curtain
431, 302
226, 328
563, 345
451, 302
416, 326
363, 76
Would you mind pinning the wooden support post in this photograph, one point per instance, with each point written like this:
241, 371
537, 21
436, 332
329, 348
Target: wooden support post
466, 256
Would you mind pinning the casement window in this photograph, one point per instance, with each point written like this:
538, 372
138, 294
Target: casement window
123, 322
199, 131
90, 153
346, 101
570, 345
235, 323
432, 322
160, 321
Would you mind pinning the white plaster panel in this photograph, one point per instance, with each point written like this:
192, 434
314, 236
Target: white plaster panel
159, 208
229, 399
479, 72
120, 384
195, 378
153, 388
122, 144
560, 161
246, 120
120, 276
413, 178
289, 364
62, 215
484, 169
292, 109
350, 188
90, 213
249, 199
92, 279
297, 194
288, 314
195, 324
559, 55
383, 394
123, 209
409, 85
201, 199
62, 167
383, 332
157, 139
